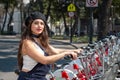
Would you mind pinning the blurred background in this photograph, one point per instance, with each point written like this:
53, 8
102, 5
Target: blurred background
66, 18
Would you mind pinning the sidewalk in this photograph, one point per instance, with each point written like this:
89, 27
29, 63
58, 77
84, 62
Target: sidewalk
67, 42
52, 41
9, 36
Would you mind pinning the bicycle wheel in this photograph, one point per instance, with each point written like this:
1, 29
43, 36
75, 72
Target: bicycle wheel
71, 67
64, 74
50, 76
76, 67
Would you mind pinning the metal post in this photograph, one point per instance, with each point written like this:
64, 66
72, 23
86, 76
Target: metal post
91, 26
71, 30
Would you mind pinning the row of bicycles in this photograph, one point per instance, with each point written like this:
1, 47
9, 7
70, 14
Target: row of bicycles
98, 61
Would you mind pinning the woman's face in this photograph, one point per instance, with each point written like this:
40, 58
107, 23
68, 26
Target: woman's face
37, 26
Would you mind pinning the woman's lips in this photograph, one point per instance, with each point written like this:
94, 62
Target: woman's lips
39, 30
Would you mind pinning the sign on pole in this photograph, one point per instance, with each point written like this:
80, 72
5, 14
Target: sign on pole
71, 8
91, 3
71, 14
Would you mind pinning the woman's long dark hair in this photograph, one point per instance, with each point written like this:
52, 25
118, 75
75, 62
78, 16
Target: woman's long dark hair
27, 34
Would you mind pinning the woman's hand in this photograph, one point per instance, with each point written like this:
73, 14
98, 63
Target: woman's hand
78, 51
72, 54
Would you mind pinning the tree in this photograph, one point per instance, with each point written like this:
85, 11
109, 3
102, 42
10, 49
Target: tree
116, 4
9, 6
103, 18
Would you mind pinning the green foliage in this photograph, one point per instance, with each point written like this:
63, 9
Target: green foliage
80, 39
116, 5
116, 2
13, 2
56, 9
83, 39
58, 37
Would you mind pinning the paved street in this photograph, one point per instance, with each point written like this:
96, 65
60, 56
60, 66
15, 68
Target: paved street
8, 60
8, 54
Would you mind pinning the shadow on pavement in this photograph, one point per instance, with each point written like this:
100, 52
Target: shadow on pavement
8, 55
8, 64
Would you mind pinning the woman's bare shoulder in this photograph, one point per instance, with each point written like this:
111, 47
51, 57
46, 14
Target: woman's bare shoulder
27, 42
26, 45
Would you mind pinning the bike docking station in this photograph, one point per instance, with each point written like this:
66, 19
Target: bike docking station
98, 61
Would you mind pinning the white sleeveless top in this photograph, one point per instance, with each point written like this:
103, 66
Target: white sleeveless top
28, 62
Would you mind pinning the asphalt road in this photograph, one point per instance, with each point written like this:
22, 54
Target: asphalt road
8, 58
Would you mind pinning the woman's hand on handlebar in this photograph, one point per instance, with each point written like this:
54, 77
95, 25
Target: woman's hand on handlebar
78, 51
72, 54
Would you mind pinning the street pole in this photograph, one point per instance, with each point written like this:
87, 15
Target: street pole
91, 4
71, 9
91, 26
71, 35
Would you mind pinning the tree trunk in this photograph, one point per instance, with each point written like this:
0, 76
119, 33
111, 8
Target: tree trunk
6, 11
40, 3
47, 15
103, 27
65, 25
10, 21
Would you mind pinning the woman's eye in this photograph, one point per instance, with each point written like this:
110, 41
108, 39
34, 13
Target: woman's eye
36, 23
41, 23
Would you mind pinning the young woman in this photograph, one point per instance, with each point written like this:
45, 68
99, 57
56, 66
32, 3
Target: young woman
35, 53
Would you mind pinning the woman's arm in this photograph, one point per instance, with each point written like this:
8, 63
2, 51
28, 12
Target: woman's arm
34, 53
57, 50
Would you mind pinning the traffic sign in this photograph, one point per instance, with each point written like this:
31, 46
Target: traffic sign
71, 7
91, 3
71, 14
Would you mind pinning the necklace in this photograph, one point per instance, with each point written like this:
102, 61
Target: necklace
35, 36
